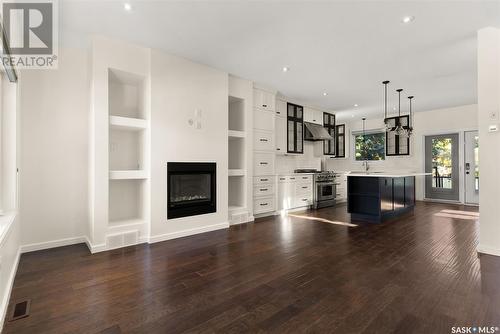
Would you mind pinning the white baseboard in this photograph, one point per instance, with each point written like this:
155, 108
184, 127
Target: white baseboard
95, 248
488, 250
188, 232
5, 300
52, 244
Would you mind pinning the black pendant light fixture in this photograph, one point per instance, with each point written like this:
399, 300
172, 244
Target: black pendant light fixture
397, 128
400, 131
409, 129
386, 121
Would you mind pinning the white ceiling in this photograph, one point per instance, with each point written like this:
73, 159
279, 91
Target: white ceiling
344, 48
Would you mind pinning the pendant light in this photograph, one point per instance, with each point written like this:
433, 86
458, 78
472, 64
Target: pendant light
364, 139
400, 131
409, 130
386, 121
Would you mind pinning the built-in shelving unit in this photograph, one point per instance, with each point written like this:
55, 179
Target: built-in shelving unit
236, 155
239, 150
128, 147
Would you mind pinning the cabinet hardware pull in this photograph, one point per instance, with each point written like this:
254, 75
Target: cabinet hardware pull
292, 178
264, 189
304, 187
263, 163
278, 112
278, 149
264, 105
263, 139
282, 178
264, 179
304, 199
305, 177
263, 204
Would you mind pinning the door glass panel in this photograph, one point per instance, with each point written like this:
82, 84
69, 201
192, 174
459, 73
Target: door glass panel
476, 163
299, 137
291, 144
299, 112
442, 163
290, 111
340, 147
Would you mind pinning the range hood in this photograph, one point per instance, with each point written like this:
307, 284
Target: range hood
314, 132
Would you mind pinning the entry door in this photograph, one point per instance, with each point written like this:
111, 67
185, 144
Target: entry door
472, 167
441, 159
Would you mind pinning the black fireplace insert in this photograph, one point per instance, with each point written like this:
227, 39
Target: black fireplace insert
191, 188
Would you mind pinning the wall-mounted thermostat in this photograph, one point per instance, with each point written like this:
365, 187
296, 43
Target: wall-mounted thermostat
493, 128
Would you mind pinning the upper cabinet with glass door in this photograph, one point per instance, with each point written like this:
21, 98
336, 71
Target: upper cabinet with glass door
329, 124
295, 128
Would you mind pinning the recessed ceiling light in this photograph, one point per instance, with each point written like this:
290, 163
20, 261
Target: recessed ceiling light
356, 105
325, 94
286, 69
352, 115
127, 6
408, 19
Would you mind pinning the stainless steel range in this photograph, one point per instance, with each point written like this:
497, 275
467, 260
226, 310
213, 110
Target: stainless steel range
324, 187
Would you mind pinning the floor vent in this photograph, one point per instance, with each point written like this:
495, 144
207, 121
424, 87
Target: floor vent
20, 310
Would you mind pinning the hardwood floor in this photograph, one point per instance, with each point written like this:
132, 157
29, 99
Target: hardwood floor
417, 274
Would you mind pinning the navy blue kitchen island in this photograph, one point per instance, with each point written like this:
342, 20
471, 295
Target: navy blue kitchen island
376, 197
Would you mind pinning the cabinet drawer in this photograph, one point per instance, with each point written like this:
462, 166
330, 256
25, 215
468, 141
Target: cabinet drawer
303, 201
261, 205
263, 163
263, 141
288, 178
303, 189
263, 190
263, 120
263, 180
304, 178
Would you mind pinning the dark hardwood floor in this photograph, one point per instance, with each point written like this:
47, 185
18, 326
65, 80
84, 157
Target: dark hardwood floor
416, 274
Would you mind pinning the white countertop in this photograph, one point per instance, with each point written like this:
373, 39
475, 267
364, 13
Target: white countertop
388, 174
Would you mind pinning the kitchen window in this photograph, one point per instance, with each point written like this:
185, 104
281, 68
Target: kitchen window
370, 146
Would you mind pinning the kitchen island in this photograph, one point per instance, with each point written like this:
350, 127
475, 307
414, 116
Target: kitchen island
376, 197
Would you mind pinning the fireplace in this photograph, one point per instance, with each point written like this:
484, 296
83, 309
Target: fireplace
191, 188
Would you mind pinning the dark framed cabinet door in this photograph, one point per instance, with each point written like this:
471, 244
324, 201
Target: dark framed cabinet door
329, 125
295, 128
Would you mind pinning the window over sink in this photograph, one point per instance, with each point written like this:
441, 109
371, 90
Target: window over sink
370, 146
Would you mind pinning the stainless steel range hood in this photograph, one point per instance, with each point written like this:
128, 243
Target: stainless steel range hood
314, 132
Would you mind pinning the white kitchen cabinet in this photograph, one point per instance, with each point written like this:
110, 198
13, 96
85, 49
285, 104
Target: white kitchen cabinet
263, 205
281, 135
341, 195
263, 140
294, 191
264, 100
263, 163
263, 120
313, 116
280, 108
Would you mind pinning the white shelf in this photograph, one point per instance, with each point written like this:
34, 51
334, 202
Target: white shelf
128, 175
236, 172
236, 134
126, 222
127, 123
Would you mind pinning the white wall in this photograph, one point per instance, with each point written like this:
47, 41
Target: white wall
449, 120
54, 139
179, 87
489, 102
9, 252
